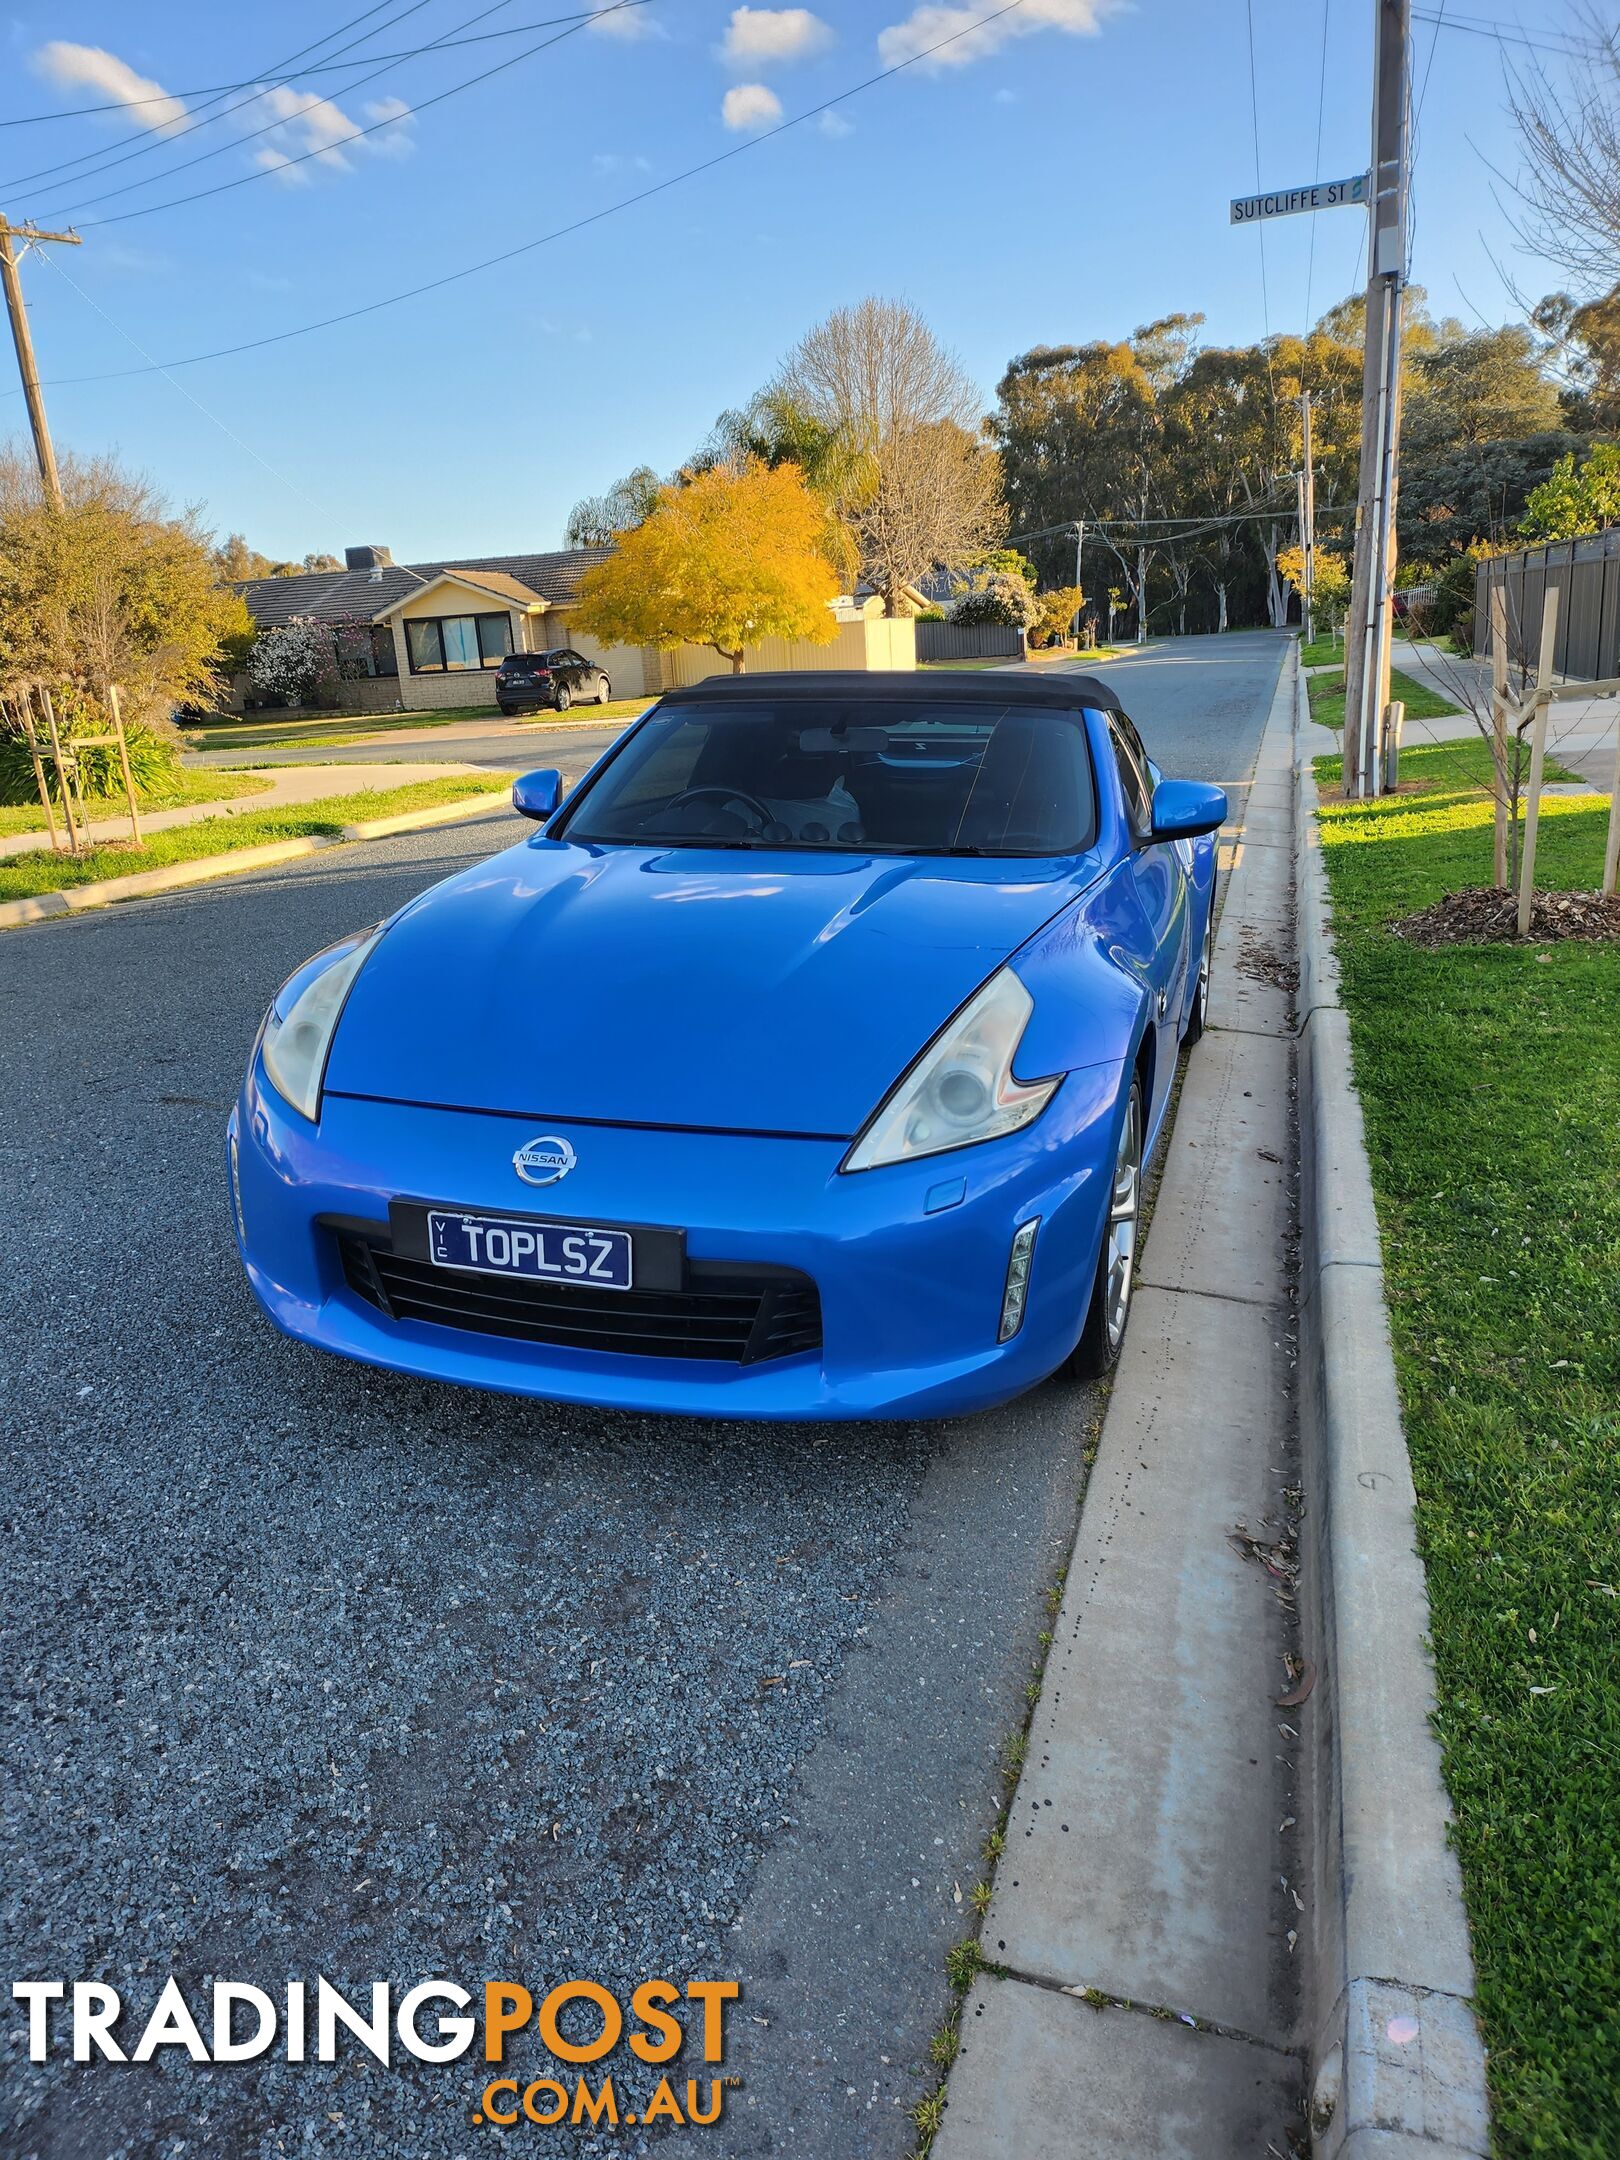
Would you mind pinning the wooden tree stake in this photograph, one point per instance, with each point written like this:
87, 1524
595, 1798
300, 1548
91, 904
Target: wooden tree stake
1538, 756
1499, 680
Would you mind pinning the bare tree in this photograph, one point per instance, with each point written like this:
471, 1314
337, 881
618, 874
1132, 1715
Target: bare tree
916, 484
1568, 193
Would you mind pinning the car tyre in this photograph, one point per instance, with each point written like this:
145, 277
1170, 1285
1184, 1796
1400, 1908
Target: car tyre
605, 695
1109, 1312
563, 698
507, 710
1198, 1018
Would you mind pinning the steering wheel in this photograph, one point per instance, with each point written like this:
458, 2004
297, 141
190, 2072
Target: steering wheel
751, 803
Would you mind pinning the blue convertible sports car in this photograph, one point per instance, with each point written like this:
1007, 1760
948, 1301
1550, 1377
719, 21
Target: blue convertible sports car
803, 1065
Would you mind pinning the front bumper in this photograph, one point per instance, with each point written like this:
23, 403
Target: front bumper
910, 1261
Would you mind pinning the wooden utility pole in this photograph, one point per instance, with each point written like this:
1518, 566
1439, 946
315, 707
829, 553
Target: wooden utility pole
1366, 654
1307, 517
30, 236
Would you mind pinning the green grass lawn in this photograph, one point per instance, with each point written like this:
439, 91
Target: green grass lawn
323, 734
22, 876
1490, 1077
1326, 693
188, 786
1322, 652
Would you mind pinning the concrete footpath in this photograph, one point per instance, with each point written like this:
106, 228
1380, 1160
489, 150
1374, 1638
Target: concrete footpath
288, 786
1151, 1911
1582, 733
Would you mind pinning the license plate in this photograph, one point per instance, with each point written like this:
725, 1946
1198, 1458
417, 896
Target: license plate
551, 1252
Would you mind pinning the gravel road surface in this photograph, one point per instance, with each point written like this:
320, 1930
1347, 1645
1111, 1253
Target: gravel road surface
316, 1670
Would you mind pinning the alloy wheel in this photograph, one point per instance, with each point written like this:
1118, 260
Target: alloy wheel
1124, 1209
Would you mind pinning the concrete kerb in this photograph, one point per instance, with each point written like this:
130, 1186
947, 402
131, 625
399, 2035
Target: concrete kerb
203, 869
1396, 2059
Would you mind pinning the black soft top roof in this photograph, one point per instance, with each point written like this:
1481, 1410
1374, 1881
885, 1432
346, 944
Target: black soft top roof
968, 687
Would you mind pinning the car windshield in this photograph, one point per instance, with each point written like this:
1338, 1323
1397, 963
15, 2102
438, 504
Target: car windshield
524, 663
887, 776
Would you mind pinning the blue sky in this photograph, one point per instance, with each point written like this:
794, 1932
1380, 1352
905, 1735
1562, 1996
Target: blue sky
1041, 182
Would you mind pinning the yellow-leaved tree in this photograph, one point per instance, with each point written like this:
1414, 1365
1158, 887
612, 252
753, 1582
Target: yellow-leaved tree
734, 555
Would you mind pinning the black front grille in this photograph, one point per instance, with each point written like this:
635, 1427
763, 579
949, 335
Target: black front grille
737, 1314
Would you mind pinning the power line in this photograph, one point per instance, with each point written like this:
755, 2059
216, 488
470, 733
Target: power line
98, 161
1321, 107
224, 187
286, 74
1499, 31
1265, 291
322, 510
561, 232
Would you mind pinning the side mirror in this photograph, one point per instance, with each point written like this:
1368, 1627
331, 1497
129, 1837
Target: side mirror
537, 794
1182, 809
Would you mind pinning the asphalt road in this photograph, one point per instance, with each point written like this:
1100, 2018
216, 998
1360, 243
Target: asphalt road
318, 1670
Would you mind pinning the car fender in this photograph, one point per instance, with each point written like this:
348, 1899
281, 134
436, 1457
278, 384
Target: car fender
1088, 971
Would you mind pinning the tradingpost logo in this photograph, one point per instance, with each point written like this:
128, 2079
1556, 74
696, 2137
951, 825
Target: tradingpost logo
436, 2021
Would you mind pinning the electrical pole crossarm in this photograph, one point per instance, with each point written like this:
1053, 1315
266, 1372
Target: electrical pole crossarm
30, 236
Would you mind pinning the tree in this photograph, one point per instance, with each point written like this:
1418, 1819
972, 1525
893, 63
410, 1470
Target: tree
1473, 387
911, 477
733, 556
1568, 189
1056, 610
295, 662
998, 596
322, 562
236, 562
598, 520
1571, 502
111, 588
1586, 344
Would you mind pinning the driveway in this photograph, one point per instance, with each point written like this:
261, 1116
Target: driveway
317, 1669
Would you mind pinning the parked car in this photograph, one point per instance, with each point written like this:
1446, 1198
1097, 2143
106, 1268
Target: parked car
805, 1063
528, 682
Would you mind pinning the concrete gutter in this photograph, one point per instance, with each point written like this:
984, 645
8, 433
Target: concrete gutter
203, 869
1396, 2063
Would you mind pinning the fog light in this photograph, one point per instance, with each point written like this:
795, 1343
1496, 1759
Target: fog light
1012, 1298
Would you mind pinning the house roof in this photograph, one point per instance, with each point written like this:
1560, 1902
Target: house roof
361, 595
497, 583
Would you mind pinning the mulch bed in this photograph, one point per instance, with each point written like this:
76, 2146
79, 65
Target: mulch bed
1489, 916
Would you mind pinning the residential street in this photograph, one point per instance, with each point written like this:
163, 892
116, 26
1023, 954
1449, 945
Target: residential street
319, 1669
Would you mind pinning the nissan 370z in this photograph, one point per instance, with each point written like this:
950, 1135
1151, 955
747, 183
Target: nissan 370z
803, 1064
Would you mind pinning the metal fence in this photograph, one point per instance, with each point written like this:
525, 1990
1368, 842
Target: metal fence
1586, 575
978, 641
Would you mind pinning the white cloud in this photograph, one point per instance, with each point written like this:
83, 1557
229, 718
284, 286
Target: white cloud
768, 37
936, 20
617, 21
312, 131
750, 106
392, 119
835, 125
313, 128
89, 67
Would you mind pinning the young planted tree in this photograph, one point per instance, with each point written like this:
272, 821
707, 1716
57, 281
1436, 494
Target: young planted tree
737, 554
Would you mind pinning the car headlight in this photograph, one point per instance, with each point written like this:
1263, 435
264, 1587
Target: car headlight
961, 1090
299, 1026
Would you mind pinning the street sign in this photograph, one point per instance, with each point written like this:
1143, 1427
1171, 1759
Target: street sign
1288, 202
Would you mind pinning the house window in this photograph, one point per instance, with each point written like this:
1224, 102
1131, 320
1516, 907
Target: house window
448, 644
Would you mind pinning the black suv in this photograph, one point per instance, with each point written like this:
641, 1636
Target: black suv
525, 681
